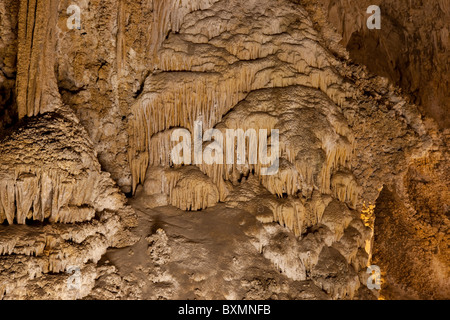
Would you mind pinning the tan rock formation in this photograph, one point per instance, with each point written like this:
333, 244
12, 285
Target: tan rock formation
357, 166
49, 173
411, 48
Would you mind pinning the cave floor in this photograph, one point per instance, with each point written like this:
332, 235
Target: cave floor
205, 254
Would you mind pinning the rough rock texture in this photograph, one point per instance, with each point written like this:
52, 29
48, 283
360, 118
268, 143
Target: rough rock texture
8, 57
101, 104
411, 48
49, 174
412, 231
420, 189
49, 170
36, 88
102, 67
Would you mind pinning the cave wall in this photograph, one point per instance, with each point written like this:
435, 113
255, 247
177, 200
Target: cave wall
411, 250
98, 70
135, 70
8, 52
411, 215
411, 48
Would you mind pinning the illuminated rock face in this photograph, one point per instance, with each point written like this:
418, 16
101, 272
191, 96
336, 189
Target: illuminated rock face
139, 73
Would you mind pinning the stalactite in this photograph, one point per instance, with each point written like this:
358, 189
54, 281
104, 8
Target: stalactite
328, 131
290, 214
168, 15
49, 170
187, 187
40, 194
178, 102
287, 84
345, 188
317, 206
36, 87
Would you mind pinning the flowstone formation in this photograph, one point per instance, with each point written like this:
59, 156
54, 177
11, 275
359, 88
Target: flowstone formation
253, 151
